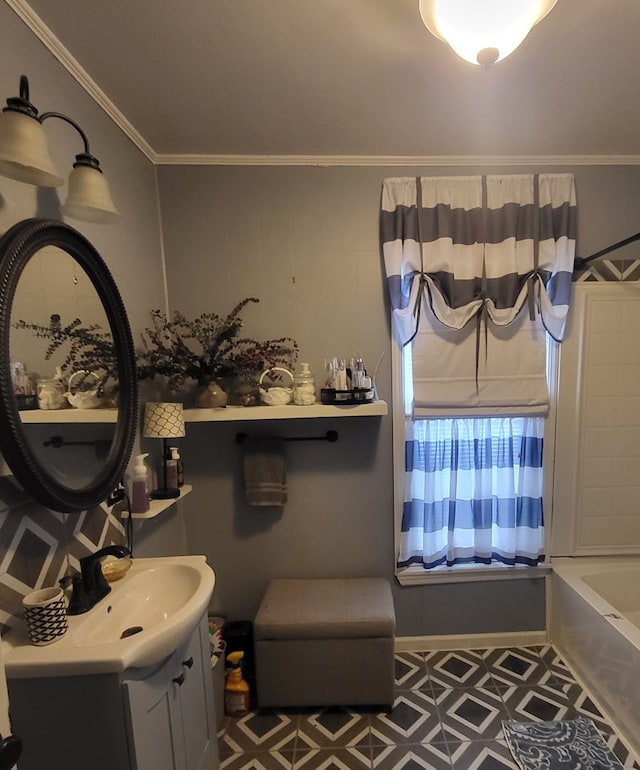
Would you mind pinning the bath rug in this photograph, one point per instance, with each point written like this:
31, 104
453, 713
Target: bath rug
574, 744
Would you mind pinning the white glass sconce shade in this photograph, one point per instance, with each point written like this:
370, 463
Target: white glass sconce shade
88, 196
24, 156
24, 151
483, 31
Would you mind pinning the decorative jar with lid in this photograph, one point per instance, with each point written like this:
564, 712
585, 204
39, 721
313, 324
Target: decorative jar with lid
304, 387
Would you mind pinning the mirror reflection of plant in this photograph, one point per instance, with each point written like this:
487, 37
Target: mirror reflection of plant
208, 348
86, 347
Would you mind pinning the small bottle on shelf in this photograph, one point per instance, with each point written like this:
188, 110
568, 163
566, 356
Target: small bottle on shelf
171, 469
175, 455
140, 486
304, 387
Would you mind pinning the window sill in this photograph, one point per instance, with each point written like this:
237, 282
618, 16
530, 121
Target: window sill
478, 573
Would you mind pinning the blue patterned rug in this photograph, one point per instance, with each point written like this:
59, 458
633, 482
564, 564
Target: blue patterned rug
574, 744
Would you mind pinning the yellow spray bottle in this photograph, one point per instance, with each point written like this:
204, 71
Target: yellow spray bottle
237, 696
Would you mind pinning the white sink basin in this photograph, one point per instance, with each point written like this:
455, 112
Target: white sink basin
148, 613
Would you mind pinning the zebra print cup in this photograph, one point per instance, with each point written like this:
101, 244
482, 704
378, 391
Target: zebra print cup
45, 613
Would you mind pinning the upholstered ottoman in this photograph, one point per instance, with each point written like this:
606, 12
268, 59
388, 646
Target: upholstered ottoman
325, 643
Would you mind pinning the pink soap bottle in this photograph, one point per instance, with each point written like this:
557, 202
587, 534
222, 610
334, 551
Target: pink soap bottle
140, 486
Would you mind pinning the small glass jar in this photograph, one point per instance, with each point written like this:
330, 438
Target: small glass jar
304, 387
51, 394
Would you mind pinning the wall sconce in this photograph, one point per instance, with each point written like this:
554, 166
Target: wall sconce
483, 31
24, 156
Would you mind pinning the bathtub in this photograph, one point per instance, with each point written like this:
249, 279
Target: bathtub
595, 626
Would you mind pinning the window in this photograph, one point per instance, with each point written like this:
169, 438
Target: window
479, 277
470, 490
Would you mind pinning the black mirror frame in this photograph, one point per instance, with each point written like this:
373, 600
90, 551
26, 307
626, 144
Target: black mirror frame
17, 246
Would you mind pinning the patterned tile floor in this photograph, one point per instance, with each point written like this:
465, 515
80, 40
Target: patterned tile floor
447, 715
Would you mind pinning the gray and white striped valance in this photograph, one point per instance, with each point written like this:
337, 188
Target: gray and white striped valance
476, 225
470, 247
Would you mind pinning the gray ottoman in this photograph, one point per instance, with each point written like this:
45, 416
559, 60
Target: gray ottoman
325, 643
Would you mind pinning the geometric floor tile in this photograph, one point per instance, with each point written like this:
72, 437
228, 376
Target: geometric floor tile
413, 719
558, 668
522, 666
333, 727
333, 759
261, 760
621, 751
539, 703
472, 714
264, 731
482, 755
460, 668
410, 671
411, 757
447, 715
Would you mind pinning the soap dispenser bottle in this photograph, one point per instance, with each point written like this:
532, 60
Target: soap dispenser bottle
237, 696
175, 469
140, 486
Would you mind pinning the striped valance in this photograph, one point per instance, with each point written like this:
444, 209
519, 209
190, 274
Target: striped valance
472, 248
484, 239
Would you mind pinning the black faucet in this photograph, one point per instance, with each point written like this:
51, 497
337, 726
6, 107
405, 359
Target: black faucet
90, 586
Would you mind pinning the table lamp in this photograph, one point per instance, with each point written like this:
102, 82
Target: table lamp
165, 421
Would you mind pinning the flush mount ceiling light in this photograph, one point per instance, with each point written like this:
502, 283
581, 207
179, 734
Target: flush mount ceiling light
483, 31
24, 156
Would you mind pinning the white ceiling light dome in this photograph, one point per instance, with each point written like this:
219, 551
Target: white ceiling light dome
483, 31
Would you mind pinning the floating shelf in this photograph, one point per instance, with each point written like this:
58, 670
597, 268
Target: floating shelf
156, 507
288, 412
35, 416
228, 414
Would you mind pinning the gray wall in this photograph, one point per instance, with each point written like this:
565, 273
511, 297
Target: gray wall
34, 542
132, 247
305, 241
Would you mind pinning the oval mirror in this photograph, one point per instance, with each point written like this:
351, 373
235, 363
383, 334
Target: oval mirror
54, 289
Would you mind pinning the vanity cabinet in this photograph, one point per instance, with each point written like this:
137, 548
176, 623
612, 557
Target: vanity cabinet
170, 719
156, 718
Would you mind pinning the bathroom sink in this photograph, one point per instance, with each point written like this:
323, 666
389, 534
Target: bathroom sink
147, 615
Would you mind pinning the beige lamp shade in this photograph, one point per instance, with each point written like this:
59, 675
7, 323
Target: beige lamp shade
163, 420
24, 151
483, 31
88, 196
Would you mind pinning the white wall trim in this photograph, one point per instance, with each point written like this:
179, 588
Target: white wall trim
470, 641
397, 160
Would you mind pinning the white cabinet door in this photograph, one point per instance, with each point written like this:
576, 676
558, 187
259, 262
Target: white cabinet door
155, 729
196, 700
172, 723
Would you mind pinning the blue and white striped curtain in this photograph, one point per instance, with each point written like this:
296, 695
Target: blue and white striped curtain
473, 492
464, 257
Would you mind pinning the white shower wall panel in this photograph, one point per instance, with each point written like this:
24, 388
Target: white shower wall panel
596, 479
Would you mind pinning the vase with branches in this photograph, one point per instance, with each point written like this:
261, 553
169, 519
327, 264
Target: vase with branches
83, 348
208, 348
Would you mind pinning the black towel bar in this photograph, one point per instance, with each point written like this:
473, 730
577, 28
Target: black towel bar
330, 435
57, 441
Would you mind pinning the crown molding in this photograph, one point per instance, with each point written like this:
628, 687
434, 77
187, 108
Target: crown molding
74, 68
396, 160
